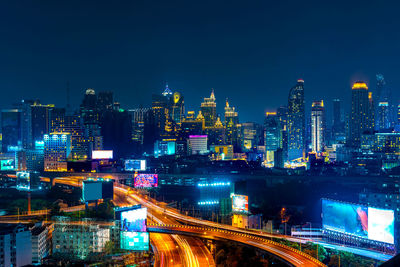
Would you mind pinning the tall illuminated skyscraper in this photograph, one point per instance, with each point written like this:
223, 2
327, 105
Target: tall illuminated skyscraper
272, 135
317, 126
384, 105
231, 125
209, 110
361, 117
383, 116
296, 121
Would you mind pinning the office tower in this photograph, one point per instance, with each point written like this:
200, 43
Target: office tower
40, 115
89, 107
317, 126
384, 95
251, 133
15, 244
383, 116
217, 133
116, 129
231, 125
197, 144
272, 135
296, 121
11, 128
105, 101
282, 115
160, 107
71, 123
177, 108
360, 120
337, 113
209, 110
192, 125
57, 149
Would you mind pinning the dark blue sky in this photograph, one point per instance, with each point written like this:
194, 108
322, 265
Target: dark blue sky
250, 51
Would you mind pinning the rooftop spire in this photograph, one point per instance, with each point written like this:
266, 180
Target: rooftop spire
167, 91
212, 96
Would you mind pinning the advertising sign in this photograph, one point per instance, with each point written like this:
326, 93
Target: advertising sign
135, 165
358, 220
146, 180
240, 203
135, 241
102, 154
134, 220
7, 164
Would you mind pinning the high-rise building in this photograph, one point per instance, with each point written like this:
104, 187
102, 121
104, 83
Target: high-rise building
15, 244
11, 128
40, 120
361, 117
71, 123
296, 121
79, 239
231, 126
197, 144
209, 110
105, 101
383, 116
57, 149
272, 135
282, 115
384, 95
317, 126
177, 108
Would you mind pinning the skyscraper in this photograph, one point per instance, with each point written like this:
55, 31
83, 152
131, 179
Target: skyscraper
11, 128
57, 149
317, 126
361, 117
384, 95
272, 135
209, 110
296, 121
383, 116
177, 107
231, 125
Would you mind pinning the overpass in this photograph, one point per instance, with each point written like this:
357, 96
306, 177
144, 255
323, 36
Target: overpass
290, 255
203, 229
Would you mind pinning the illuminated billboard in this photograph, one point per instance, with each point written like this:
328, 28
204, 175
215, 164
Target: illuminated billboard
94, 190
146, 180
135, 165
240, 203
7, 164
134, 241
345, 218
28, 180
134, 220
102, 154
23, 180
358, 220
381, 225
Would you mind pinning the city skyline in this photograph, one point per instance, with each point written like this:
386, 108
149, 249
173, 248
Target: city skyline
269, 52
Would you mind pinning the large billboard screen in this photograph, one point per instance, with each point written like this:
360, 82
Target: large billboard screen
23, 181
358, 220
240, 203
134, 220
134, 241
146, 180
92, 190
135, 165
102, 154
381, 225
7, 164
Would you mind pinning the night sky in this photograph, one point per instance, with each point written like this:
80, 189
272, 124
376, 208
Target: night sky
250, 51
